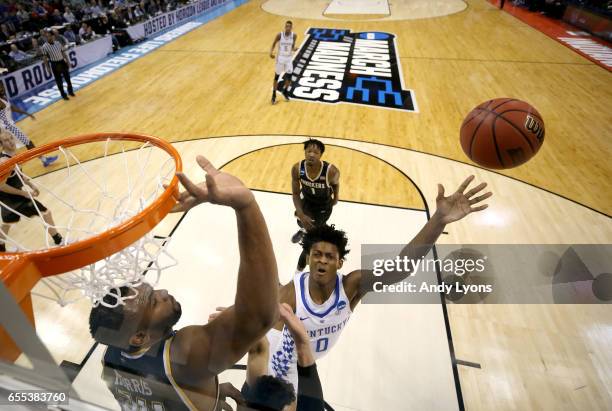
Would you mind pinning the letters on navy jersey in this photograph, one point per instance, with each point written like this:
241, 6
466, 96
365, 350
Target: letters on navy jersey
133, 385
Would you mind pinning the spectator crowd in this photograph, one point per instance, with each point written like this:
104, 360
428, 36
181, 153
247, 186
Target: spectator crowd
555, 8
24, 24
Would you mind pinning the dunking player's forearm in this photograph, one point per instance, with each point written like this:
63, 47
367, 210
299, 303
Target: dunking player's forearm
254, 309
257, 290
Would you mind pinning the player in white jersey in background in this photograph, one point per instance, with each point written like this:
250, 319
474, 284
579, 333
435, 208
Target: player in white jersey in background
324, 299
284, 64
7, 124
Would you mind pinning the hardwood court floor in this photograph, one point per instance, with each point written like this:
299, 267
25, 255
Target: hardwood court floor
215, 81
532, 357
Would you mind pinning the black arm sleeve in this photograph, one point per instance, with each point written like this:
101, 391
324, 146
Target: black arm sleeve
310, 393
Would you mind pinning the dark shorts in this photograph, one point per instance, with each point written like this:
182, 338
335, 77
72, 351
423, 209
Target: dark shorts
24, 207
320, 213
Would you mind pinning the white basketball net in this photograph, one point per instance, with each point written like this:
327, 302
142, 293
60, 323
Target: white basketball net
87, 198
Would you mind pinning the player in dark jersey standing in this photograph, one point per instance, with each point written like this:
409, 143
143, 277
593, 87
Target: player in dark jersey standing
316, 186
150, 367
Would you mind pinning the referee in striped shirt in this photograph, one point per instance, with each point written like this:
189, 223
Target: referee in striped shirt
53, 51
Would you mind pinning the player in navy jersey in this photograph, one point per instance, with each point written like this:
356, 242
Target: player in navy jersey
316, 188
8, 124
324, 299
149, 366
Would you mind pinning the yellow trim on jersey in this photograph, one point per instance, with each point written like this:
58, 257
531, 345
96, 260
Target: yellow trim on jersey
135, 355
177, 388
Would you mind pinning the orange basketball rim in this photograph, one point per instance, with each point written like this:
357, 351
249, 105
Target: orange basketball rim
20, 271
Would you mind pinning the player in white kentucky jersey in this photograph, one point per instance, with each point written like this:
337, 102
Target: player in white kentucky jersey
286, 40
324, 299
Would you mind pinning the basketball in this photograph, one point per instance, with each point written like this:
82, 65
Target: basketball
502, 133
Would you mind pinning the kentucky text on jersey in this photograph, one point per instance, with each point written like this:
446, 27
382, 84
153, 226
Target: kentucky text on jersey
327, 330
324, 324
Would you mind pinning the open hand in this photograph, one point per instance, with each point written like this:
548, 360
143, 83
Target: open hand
218, 188
459, 204
228, 390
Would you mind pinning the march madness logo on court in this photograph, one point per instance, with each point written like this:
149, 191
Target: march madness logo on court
337, 66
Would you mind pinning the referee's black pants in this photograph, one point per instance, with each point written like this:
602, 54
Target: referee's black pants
60, 69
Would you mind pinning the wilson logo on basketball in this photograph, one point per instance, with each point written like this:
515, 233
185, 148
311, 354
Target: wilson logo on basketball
337, 66
531, 124
502, 133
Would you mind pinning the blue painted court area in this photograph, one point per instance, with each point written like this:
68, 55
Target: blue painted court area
41, 97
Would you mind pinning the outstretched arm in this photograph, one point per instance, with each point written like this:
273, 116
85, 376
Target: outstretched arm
449, 209
216, 346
